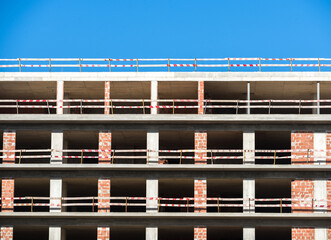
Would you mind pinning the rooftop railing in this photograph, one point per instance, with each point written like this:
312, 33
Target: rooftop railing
166, 64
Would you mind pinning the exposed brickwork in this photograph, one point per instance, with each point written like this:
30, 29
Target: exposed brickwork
200, 233
104, 144
200, 142
303, 190
103, 233
200, 195
328, 147
329, 234
104, 184
201, 96
328, 192
6, 233
107, 97
302, 141
9, 143
303, 234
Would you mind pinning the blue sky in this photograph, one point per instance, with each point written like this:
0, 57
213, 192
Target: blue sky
173, 28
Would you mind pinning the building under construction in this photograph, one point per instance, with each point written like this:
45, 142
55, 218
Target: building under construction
160, 149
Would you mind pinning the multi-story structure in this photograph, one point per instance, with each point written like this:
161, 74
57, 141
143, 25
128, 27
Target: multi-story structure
165, 155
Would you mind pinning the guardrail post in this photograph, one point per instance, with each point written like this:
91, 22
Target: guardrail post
229, 64
80, 65
19, 63
50, 66
137, 65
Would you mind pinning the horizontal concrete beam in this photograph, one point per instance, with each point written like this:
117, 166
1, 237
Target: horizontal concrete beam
159, 219
165, 119
166, 76
165, 171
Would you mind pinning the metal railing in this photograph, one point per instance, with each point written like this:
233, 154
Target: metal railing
184, 204
167, 64
165, 106
182, 156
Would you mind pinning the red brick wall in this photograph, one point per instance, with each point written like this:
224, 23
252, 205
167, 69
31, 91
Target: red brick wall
6, 233
201, 96
304, 141
107, 97
303, 234
200, 185
200, 233
103, 233
303, 190
200, 142
9, 143
104, 184
329, 234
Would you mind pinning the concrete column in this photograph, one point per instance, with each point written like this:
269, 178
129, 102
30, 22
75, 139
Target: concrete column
249, 195
320, 185
321, 234
57, 147
55, 233
249, 147
151, 233
154, 97
107, 97
152, 184
248, 233
248, 97
55, 193
318, 97
59, 97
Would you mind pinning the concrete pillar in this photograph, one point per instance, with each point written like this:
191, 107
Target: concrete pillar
249, 195
55, 233
249, 147
56, 190
107, 97
320, 185
152, 184
248, 233
321, 234
248, 97
151, 233
154, 97
318, 97
59, 97
6, 233
201, 97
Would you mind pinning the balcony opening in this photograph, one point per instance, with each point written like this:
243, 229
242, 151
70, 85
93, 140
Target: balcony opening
33, 140
75, 141
80, 188
129, 147
272, 189
325, 90
269, 141
224, 233
32, 190
31, 90
170, 92
225, 189
223, 97
178, 142
127, 233
176, 188
222, 146
173, 232
123, 189
273, 233
283, 91
81, 233
30, 232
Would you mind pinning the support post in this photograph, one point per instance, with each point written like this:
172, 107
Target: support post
55, 233
59, 97
248, 233
248, 97
154, 97
151, 233
318, 98
152, 184
107, 97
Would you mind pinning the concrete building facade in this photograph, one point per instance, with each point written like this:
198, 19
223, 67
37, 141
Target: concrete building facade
173, 155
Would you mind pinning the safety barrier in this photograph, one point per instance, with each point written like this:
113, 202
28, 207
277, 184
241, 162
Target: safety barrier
183, 156
171, 106
184, 203
166, 64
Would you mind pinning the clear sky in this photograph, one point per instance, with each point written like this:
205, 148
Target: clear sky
172, 28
